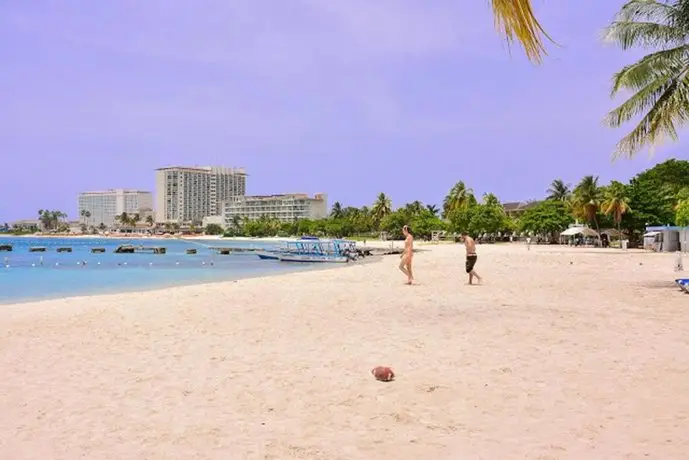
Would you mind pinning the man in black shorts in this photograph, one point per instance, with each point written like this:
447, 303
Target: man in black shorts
472, 257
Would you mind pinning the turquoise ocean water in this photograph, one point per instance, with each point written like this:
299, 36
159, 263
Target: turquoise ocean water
28, 275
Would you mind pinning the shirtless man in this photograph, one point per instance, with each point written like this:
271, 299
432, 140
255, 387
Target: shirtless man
470, 246
405, 263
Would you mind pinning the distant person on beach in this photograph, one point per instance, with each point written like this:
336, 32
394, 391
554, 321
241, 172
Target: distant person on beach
405, 263
528, 243
472, 257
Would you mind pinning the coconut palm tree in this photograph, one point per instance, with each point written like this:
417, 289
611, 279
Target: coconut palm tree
616, 203
381, 208
336, 211
150, 220
414, 208
658, 81
433, 209
459, 198
586, 200
85, 214
50, 219
489, 199
559, 191
123, 219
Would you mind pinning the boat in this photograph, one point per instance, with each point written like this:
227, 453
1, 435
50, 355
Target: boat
268, 255
313, 258
315, 250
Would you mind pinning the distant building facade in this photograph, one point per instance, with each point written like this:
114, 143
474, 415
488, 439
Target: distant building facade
189, 194
104, 206
286, 208
517, 208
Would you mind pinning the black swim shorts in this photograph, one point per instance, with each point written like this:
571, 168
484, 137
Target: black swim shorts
471, 261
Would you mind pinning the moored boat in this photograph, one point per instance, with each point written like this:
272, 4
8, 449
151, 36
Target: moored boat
313, 258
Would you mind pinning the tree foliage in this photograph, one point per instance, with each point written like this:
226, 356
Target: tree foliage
682, 214
547, 217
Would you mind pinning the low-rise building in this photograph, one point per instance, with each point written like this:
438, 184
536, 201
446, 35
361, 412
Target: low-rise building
517, 208
666, 238
286, 208
29, 225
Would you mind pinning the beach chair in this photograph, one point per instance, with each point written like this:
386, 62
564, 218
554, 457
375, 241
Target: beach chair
683, 284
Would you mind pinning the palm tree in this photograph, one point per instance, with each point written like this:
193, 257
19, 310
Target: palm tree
85, 215
150, 220
382, 207
50, 219
559, 191
123, 219
490, 199
659, 80
459, 198
414, 208
336, 211
615, 203
236, 222
586, 200
433, 209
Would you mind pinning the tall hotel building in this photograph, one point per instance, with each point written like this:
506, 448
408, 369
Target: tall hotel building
103, 206
189, 194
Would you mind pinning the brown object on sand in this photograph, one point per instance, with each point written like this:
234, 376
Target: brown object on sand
384, 374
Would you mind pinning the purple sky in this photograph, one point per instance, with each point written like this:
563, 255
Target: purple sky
346, 97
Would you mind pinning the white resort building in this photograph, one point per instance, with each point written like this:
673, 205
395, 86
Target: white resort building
286, 208
190, 194
103, 206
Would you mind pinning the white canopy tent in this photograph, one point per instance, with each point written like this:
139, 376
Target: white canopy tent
579, 231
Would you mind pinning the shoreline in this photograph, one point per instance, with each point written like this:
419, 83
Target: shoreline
151, 289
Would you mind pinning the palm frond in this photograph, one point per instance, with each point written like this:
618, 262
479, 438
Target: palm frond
659, 65
641, 101
517, 22
628, 34
646, 10
668, 110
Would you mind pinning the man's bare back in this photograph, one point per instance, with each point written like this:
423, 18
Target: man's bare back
472, 257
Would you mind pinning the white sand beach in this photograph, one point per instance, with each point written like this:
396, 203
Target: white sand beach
546, 360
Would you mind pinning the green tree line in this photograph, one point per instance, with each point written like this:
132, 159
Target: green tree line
657, 196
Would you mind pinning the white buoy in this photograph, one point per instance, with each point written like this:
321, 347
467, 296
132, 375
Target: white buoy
33, 265
125, 263
203, 263
150, 263
98, 263
57, 263
177, 263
